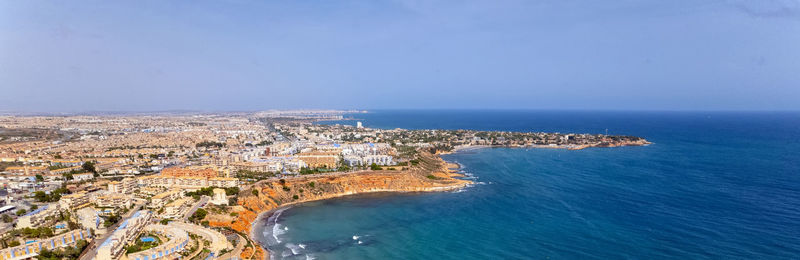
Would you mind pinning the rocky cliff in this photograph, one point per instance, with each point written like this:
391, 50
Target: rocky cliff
431, 174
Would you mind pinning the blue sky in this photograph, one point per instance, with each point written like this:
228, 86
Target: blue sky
251, 55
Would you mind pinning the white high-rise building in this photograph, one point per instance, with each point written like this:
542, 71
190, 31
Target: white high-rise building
358, 125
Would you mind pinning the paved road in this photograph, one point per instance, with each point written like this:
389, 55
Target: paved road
203, 200
235, 254
91, 251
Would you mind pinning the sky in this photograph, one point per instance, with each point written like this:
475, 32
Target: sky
77, 56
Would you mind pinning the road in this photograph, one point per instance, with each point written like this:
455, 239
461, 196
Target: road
203, 200
91, 251
235, 254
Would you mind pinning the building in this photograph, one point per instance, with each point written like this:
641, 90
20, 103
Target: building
186, 172
39, 217
31, 249
66, 163
354, 160
177, 208
161, 199
66, 170
176, 241
191, 183
126, 186
114, 200
358, 125
114, 245
219, 197
74, 201
28, 170
319, 159
82, 176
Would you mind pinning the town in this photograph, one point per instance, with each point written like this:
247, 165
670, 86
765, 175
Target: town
152, 186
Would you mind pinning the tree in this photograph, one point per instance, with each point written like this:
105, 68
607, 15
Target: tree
34, 207
13, 243
89, 166
21, 212
39, 177
198, 215
374, 167
7, 218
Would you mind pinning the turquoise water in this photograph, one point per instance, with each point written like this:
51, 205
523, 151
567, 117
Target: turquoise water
713, 185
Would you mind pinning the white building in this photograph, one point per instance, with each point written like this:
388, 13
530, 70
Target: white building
114, 245
219, 197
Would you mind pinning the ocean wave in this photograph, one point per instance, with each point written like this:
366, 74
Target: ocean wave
294, 248
277, 228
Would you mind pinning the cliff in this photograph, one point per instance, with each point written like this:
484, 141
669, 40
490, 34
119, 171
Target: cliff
431, 174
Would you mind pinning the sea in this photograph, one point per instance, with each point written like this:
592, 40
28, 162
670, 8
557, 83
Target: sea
713, 185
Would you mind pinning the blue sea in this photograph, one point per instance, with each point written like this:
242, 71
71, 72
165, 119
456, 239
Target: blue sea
713, 185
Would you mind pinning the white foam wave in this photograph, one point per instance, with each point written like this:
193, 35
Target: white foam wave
302, 246
277, 229
356, 237
294, 248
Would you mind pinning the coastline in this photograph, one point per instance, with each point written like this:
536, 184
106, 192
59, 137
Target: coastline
442, 170
433, 174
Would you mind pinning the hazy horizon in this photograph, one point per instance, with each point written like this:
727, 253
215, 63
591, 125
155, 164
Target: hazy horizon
83, 56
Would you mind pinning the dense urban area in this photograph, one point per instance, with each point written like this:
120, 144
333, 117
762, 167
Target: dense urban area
184, 185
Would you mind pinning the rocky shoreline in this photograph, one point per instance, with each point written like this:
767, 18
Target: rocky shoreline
265, 197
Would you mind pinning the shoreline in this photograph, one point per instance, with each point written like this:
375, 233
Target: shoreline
266, 215
444, 167
448, 168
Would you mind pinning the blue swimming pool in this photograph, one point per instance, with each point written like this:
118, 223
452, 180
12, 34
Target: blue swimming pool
148, 239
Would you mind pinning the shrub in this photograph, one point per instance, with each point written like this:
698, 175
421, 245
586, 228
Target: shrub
295, 197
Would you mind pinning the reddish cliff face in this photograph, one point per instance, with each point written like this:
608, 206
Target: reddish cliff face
432, 174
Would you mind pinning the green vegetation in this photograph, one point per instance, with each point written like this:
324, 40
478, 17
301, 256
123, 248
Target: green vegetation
431, 177
255, 192
40, 232
39, 177
64, 253
295, 197
209, 191
311, 184
54, 195
198, 215
257, 175
13, 243
165, 221
89, 167
7, 218
375, 167
208, 144
140, 245
111, 220
21, 212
